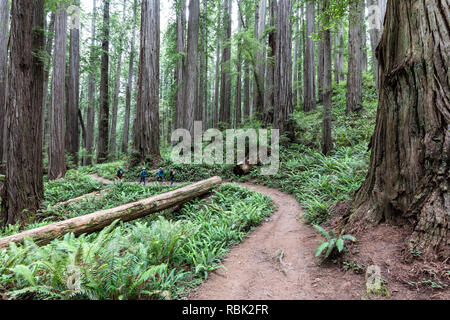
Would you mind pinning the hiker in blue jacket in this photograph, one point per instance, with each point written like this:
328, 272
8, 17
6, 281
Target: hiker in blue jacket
143, 175
161, 175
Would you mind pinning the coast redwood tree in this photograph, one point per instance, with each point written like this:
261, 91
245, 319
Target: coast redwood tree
146, 128
24, 189
103, 116
408, 179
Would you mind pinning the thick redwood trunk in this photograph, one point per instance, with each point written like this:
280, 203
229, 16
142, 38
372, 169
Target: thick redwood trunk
23, 189
283, 68
57, 159
238, 101
339, 54
408, 179
320, 57
181, 50
308, 66
327, 143
90, 121
355, 56
191, 71
225, 81
73, 96
269, 101
246, 91
146, 128
259, 68
103, 118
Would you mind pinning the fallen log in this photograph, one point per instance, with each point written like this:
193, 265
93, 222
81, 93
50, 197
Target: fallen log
96, 195
101, 219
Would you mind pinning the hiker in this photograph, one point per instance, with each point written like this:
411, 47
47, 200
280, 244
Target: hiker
161, 175
171, 176
143, 175
119, 173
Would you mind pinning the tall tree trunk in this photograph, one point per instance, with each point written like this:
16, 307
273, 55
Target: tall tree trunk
181, 50
295, 60
320, 71
327, 143
216, 87
146, 128
72, 136
364, 59
238, 102
409, 167
355, 55
225, 82
202, 92
47, 97
24, 186
338, 53
90, 121
126, 123
300, 53
283, 67
4, 27
57, 159
270, 78
259, 69
191, 71
113, 139
103, 117
309, 69
247, 91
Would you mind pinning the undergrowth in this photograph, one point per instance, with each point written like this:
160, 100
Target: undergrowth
162, 258
317, 181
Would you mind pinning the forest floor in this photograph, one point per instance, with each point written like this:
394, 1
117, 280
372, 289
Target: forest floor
276, 261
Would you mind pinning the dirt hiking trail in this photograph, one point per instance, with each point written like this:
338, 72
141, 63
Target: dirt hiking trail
276, 262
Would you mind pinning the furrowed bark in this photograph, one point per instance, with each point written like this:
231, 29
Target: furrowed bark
103, 117
309, 70
408, 179
146, 129
23, 190
90, 121
355, 56
57, 159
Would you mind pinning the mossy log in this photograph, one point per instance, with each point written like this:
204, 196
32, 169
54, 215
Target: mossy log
98, 220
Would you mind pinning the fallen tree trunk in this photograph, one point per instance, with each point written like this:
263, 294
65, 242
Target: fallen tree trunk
101, 219
96, 194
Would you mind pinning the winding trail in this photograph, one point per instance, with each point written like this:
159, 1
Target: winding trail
276, 261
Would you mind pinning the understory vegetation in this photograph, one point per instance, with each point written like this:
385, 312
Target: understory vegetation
164, 256
317, 181
153, 258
